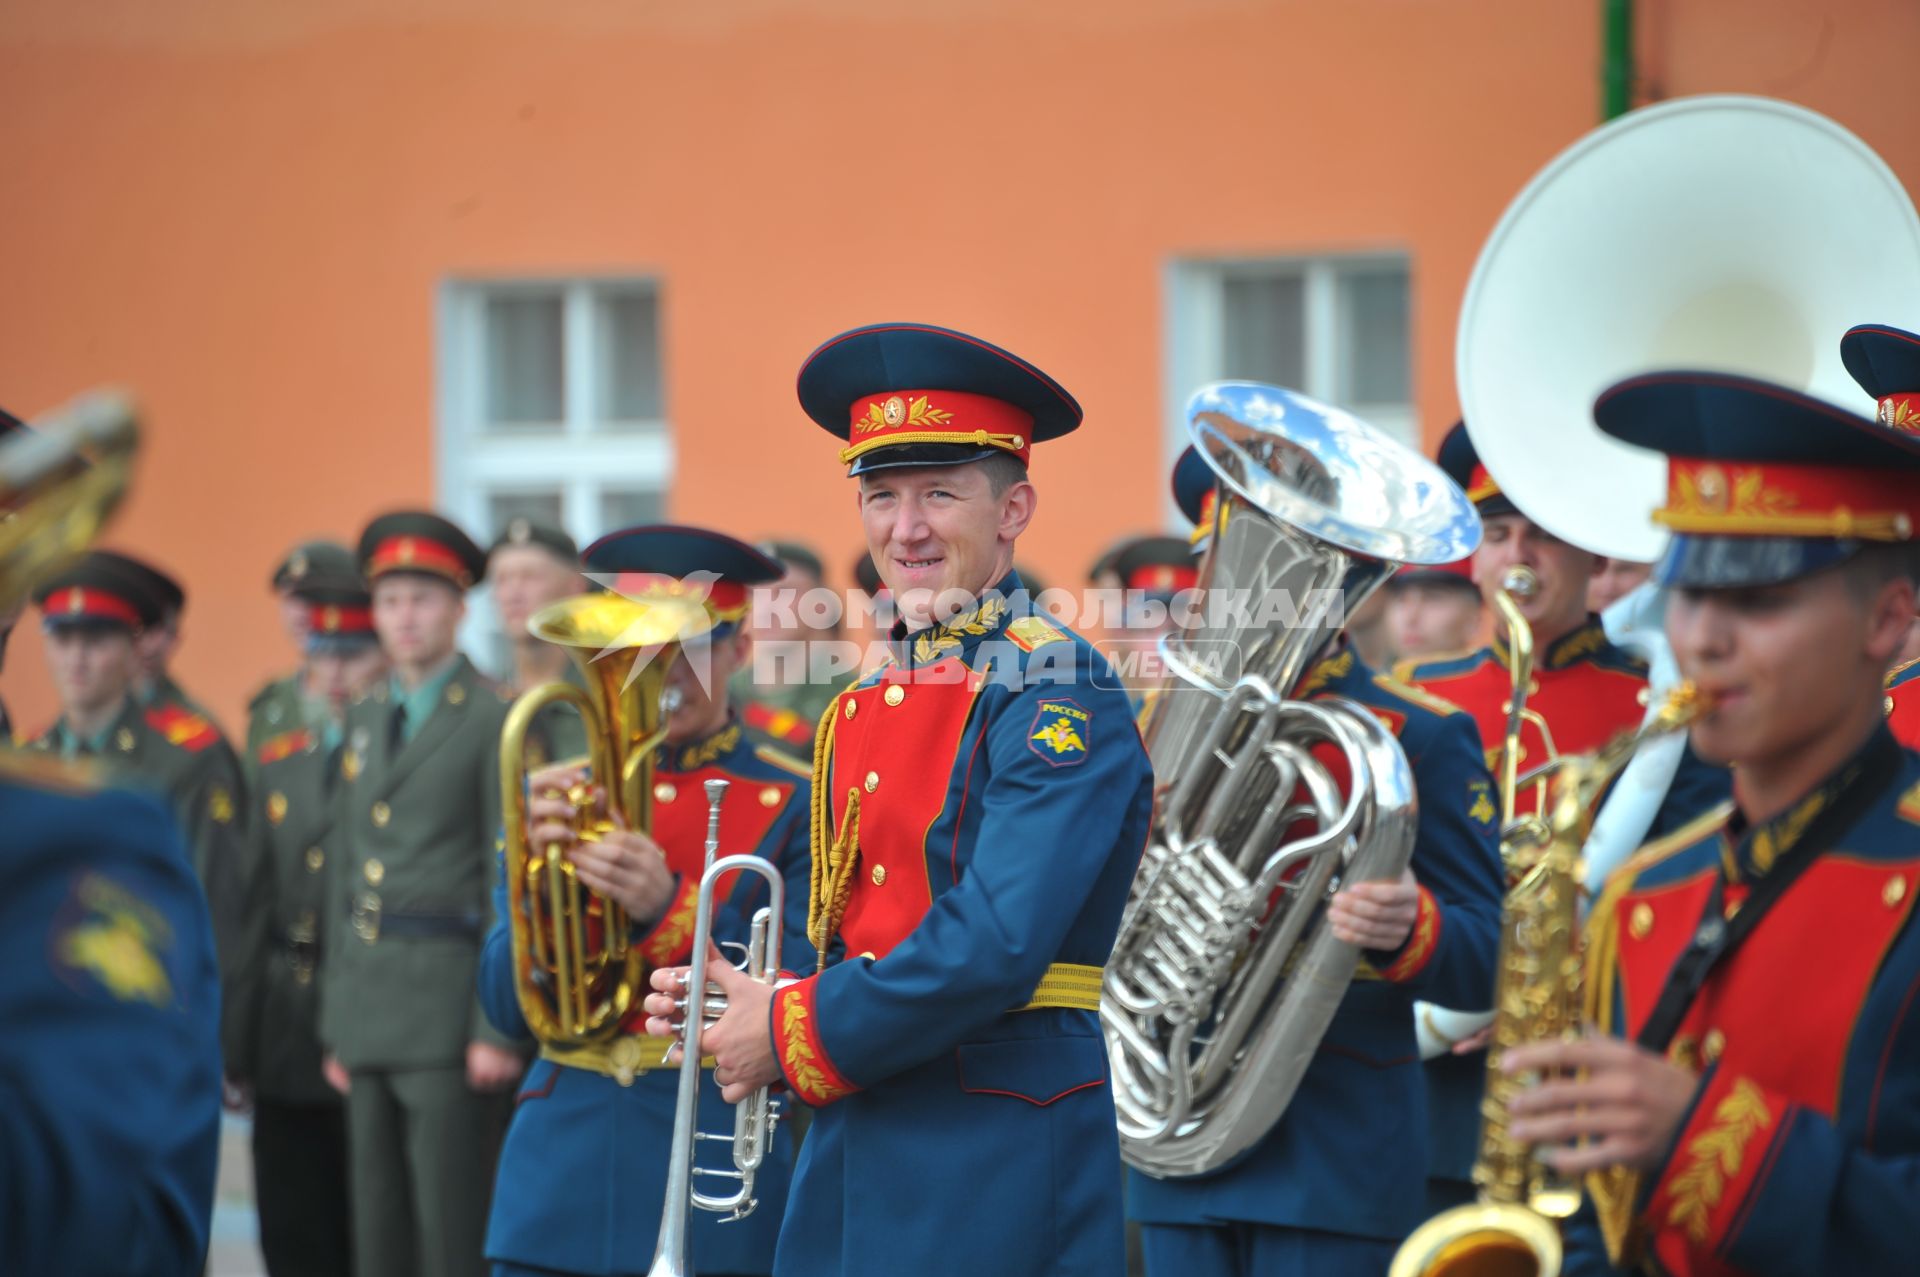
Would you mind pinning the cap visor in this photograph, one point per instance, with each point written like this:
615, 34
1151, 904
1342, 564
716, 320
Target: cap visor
1695, 561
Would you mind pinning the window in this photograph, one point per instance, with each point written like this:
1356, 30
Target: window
551, 408
1334, 328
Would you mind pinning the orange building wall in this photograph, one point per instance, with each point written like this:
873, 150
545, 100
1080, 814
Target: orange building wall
243, 210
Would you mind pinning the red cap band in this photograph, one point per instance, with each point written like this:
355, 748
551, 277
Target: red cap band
1480, 485
332, 618
1164, 578
1901, 412
78, 600
937, 416
1778, 499
417, 554
725, 600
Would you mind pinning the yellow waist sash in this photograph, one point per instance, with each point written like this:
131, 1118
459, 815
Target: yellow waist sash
622, 1059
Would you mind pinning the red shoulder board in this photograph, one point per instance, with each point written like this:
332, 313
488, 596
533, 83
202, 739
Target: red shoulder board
285, 745
182, 727
781, 724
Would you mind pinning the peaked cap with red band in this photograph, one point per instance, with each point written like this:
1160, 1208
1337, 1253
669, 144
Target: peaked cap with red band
168, 593
1459, 572
1764, 484
917, 395
1886, 362
96, 594
423, 543
1461, 460
339, 611
328, 559
1158, 566
659, 559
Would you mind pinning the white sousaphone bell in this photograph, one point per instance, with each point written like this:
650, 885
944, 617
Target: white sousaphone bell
1723, 233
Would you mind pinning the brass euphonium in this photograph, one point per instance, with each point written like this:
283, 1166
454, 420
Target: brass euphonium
574, 969
58, 483
1513, 1229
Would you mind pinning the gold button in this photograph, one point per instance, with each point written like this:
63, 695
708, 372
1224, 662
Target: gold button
664, 792
316, 860
381, 815
375, 871
873, 781
1684, 1052
276, 807
123, 740
1640, 921
879, 875
1888, 702
455, 693
1894, 892
1712, 1045
851, 707
770, 796
1644, 695
868, 955
896, 694
1730, 908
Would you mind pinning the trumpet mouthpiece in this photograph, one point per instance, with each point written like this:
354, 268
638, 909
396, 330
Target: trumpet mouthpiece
1520, 582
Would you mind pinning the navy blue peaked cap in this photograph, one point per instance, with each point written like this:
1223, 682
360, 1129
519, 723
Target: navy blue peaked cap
905, 394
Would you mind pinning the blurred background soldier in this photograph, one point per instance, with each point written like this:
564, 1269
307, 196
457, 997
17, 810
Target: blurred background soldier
1433, 612
422, 1071
777, 692
530, 566
93, 614
286, 703
299, 1128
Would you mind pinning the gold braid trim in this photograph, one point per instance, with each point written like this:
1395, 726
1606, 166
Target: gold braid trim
834, 856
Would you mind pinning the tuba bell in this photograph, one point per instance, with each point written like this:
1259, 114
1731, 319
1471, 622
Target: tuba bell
1225, 972
575, 972
58, 484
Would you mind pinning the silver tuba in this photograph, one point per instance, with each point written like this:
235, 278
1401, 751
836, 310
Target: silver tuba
1225, 973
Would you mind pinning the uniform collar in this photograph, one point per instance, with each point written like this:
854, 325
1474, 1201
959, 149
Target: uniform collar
69, 744
693, 755
1570, 648
420, 701
1748, 853
958, 635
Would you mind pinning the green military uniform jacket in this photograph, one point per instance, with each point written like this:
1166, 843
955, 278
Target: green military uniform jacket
275, 709
170, 750
409, 887
294, 836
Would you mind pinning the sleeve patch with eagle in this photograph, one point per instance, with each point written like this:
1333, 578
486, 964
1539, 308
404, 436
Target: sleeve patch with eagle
1061, 732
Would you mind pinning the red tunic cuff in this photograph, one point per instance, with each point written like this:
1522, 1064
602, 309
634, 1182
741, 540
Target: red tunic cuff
803, 1056
1421, 942
1719, 1160
671, 940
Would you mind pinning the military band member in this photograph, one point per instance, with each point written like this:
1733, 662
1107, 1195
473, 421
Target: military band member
1341, 1179
583, 1172
285, 704
1886, 362
779, 695
92, 616
1152, 573
422, 1070
1616, 579
299, 1125
986, 801
1585, 690
1753, 1103
530, 566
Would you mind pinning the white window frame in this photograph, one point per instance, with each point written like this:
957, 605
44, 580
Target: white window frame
584, 459
1195, 354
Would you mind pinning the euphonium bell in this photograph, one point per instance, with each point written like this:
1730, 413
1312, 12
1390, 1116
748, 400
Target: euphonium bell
58, 484
574, 969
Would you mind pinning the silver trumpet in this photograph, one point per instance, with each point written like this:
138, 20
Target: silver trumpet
754, 1118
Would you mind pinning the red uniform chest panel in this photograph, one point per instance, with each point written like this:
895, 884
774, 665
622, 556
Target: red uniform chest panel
897, 752
1574, 710
680, 818
1904, 718
1798, 957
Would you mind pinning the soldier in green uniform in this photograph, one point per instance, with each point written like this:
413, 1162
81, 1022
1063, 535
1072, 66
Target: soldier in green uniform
529, 566
282, 705
299, 1125
422, 1070
93, 616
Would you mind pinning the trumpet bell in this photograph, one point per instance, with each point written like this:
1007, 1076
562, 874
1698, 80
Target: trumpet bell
1723, 233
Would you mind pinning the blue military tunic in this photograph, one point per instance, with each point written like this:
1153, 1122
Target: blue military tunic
988, 800
1801, 1151
1349, 1157
110, 1055
583, 1171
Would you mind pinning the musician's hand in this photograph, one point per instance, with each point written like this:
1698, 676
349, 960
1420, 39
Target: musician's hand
629, 868
551, 815
336, 1074
741, 1042
1629, 1103
491, 1068
1376, 915
1477, 1040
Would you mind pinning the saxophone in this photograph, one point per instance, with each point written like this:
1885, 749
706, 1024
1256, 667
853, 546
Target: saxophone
1513, 1229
